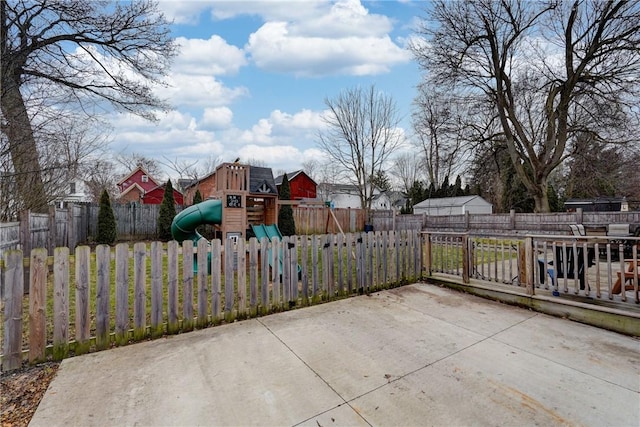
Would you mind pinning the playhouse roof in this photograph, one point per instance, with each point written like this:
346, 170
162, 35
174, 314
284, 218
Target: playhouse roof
261, 181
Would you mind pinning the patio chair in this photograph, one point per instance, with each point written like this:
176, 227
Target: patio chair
575, 270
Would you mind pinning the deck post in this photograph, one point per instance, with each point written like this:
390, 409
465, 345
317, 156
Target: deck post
427, 253
528, 264
465, 258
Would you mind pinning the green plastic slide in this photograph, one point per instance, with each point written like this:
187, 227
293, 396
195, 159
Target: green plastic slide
185, 223
270, 231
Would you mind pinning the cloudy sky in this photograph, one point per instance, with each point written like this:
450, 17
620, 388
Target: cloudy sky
252, 76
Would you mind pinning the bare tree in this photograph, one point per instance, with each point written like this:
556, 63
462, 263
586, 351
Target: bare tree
82, 55
549, 70
439, 124
311, 167
133, 160
360, 135
102, 176
407, 169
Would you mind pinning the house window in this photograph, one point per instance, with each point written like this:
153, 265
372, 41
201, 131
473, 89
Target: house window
72, 187
145, 178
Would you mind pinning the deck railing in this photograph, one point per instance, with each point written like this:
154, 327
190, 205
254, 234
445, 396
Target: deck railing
601, 267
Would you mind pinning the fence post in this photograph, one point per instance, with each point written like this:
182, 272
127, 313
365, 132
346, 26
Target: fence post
579, 216
465, 258
25, 243
512, 219
427, 253
466, 220
52, 236
71, 228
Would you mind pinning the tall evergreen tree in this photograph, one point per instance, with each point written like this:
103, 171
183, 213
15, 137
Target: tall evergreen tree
167, 213
197, 198
107, 231
286, 223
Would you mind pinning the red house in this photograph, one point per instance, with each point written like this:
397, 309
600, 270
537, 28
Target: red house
141, 187
302, 186
155, 196
133, 186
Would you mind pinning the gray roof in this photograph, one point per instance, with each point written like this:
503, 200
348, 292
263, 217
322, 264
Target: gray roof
260, 177
448, 202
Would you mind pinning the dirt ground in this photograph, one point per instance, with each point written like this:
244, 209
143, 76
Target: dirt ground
21, 391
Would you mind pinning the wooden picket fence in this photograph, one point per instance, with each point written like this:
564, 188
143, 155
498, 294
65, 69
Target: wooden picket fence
110, 296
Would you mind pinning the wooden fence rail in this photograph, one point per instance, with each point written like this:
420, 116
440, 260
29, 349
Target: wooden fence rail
83, 300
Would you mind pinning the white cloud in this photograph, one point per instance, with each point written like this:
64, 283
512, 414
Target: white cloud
208, 57
217, 118
204, 91
305, 119
274, 49
345, 19
276, 156
184, 12
270, 9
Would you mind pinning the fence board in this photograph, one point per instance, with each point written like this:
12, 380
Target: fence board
172, 287
304, 266
203, 270
286, 271
157, 326
229, 290
37, 304
60, 303
216, 269
264, 271
293, 268
14, 293
139, 290
253, 276
314, 267
122, 293
242, 278
103, 289
276, 276
187, 285
83, 319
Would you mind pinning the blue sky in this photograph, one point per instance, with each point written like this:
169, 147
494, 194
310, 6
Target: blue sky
252, 77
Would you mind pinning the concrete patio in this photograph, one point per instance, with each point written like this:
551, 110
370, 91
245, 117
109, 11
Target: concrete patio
415, 355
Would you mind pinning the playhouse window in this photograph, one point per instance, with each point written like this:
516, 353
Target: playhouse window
145, 178
264, 188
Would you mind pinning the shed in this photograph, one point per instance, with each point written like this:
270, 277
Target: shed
453, 206
300, 184
600, 204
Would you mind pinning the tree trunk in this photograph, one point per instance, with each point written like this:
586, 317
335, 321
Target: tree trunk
541, 197
22, 146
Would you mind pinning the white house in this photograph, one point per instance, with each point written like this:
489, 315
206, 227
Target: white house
77, 192
453, 206
346, 196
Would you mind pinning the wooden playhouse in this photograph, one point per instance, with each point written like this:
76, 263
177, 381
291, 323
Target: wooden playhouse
249, 197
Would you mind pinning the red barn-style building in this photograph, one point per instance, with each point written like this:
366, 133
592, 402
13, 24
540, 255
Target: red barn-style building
302, 186
155, 196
